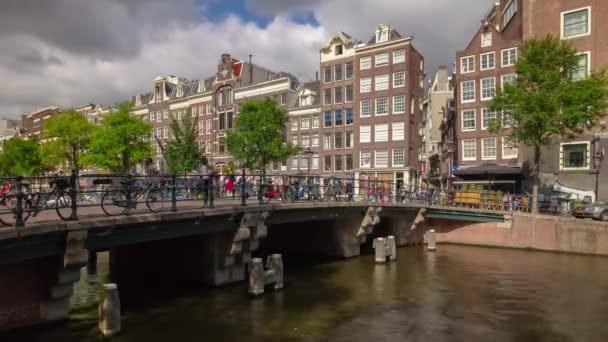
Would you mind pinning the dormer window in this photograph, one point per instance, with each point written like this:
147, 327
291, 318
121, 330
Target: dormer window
201, 86
180, 91
338, 49
486, 39
158, 93
138, 100
305, 100
382, 33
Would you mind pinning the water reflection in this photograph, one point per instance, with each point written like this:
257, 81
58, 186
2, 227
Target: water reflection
454, 294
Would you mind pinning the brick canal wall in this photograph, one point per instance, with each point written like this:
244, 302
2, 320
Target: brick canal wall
540, 232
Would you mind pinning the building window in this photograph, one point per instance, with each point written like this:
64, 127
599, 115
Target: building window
581, 70
488, 88
338, 50
381, 59
366, 85
294, 125
305, 100
486, 39
399, 79
504, 79
338, 95
509, 148
304, 122
574, 155
283, 98
166, 131
327, 96
509, 57
193, 111
398, 131
208, 126
398, 159
327, 119
295, 140
294, 163
305, 140
381, 158
208, 146
487, 61
315, 121
349, 162
488, 148
222, 121
201, 127
327, 141
209, 109
509, 13
348, 141
365, 63
467, 64
468, 120
365, 134
366, 110
365, 159
467, 91
338, 140
315, 161
327, 77
337, 163
507, 119
399, 104
349, 89
576, 23
166, 114
303, 163
487, 116
315, 140
382, 106
152, 116
349, 116
381, 82
338, 118
327, 163
349, 70
338, 72
381, 133
399, 56
469, 149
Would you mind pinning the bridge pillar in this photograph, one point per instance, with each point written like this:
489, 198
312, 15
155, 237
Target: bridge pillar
347, 235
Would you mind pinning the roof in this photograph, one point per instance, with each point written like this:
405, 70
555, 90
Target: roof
313, 86
393, 35
489, 170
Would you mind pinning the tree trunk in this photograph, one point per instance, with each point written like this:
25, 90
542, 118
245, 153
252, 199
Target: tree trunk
536, 179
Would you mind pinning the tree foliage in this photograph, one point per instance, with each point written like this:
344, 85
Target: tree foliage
68, 134
546, 101
21, 157
121, 141
258, 138
183, 154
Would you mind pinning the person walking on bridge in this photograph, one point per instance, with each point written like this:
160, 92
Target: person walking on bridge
206, 184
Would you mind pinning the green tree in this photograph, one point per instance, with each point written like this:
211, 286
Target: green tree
68, 136
120, 143
259, 135
21, 157
549, 98
183, 154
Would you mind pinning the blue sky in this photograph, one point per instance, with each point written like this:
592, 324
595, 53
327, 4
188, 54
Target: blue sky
219, 10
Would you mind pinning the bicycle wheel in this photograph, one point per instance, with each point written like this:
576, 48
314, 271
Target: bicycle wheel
288, 196
114, 202
30, 205
63, 206
155, 200
8, 213
328, 194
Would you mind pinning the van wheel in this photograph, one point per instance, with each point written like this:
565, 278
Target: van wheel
604, 216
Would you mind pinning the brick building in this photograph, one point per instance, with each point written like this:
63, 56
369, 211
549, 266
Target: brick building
33, 123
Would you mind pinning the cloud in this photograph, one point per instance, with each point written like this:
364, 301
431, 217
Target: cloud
71, 52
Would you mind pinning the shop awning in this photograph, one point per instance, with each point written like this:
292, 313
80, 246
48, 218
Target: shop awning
489, 170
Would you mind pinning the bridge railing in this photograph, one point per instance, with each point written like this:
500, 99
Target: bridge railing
72, 196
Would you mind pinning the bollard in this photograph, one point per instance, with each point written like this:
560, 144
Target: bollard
109, 311
384, 248
391, 247
275, 265
431, 240
258, 277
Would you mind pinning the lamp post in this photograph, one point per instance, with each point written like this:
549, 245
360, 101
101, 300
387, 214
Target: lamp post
308, 154
597, 164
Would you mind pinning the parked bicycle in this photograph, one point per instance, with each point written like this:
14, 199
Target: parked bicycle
271, 191
117, 201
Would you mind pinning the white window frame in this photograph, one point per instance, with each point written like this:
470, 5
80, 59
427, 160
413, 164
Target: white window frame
294, 124
588, 54
462, 100
483, 144
368, 154
305, 122
381, 57
387, 106
561, 26
382, 82
463, 150
508, 52
368, 129
561, 155
395, 111
369, 108
481, 88
485, 41
365, 85
462, 64
376, 153
502, 79
485, 125
314, 140
511, 14
365, 63
505, 142
381, 129
399, 56
401, 75
462, 128
481, 57
402, 158
315, 121
398, 131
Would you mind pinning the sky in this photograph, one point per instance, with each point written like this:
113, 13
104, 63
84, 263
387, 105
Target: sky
68, 53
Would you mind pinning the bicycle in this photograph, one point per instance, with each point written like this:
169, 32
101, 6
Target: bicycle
115, 202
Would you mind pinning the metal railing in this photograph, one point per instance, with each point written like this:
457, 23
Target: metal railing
73, 196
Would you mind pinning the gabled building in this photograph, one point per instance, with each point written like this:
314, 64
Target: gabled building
33, 123
304, 129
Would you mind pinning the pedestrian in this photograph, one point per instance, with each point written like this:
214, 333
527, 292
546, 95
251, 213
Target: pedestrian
205, 184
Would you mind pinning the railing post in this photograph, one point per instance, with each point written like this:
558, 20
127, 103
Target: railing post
261, 191
19, 210
243, 189
174, 192
74, 195
128, 191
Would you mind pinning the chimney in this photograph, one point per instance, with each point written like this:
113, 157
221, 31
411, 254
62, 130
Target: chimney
317, 76
250, 70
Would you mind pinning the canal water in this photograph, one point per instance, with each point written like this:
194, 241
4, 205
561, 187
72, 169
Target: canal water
458, 293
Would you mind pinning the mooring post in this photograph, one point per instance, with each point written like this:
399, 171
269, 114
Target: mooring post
391, 247
379, 250
431, 240
276, 265
109, 311
256, 277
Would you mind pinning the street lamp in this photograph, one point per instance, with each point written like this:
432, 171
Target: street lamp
597, 164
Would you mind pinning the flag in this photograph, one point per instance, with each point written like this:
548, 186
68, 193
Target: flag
238, 68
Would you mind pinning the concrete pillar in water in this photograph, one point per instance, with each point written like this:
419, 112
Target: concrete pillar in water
276, 267
256, 277
379, 250
109, 311
431, 240
391, 247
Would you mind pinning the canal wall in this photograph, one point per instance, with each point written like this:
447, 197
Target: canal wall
524, 231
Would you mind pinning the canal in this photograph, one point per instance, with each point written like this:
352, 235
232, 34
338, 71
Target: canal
458, 293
